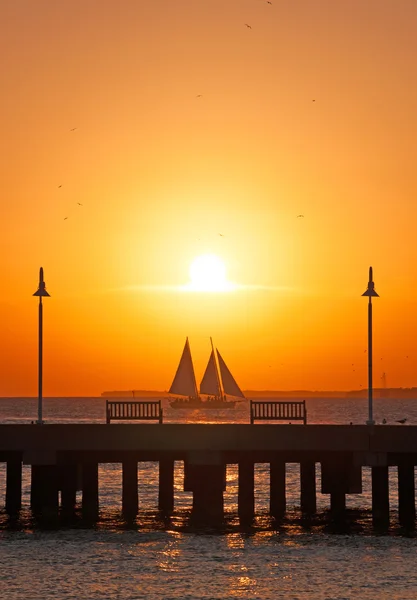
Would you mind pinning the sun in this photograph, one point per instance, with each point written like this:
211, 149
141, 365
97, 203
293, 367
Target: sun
208, 274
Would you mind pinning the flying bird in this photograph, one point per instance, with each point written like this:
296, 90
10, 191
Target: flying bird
300, 216
65, 218
199, 96
248, 26
402, 421
60, 186
313, 100
221, 234
74, 129
79, 204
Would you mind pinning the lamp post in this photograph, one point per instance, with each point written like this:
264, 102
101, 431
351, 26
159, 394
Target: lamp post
371, 293
41, 292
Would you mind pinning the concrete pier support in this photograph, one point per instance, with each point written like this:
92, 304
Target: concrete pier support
50, 504
44, 491
207, 483
338, 503
36, 489
380, 496
68, 477
277, 496
14, 485
336, 479
130, 497
166, 486
406, 495
308, 487
246, 492
90, 504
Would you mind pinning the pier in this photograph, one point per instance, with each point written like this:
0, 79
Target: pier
65, 459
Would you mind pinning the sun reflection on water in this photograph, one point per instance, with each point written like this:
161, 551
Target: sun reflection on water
242, 586
235, 541
170, 555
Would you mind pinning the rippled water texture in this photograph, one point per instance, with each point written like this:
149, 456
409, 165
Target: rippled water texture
166, 559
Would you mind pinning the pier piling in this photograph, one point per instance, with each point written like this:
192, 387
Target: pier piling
380, 496
277, 488
44, 492
166, 486
90, 506
406, 495
130, 496
14, 484
68, 477
36, 489
246, 492
338, 503
50, 487
207, 482
337, 473
308, 487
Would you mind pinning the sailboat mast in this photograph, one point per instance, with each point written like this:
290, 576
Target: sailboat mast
219, 381
194, 379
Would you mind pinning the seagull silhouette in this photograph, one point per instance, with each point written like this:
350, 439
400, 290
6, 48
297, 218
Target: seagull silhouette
74, 129
65, 218
299, 216
199, 96
60, 186
79, 204
221, 234
402, 421
248, 26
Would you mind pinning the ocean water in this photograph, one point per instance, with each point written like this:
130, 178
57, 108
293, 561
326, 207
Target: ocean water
155, 558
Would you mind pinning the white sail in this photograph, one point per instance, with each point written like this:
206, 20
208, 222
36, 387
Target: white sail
230, 386
210, 383
184, 382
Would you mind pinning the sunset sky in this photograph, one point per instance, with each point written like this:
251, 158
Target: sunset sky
172, 122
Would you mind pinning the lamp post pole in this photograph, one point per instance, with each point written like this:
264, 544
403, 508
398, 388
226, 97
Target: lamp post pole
371, 293
41, 292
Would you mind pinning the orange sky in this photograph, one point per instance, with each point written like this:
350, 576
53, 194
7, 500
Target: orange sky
160, 173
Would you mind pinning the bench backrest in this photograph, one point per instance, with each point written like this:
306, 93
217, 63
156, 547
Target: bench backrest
278, 411
133, 411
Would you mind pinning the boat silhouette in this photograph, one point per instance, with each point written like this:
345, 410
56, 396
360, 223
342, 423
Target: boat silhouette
217, 383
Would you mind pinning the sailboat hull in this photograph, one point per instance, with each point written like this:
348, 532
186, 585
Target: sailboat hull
186, 404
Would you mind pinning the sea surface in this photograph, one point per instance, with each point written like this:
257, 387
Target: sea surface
155, 558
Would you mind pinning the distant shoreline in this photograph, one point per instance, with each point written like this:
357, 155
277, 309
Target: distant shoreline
395, 393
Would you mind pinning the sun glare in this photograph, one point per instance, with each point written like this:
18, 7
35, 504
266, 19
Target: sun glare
208, 274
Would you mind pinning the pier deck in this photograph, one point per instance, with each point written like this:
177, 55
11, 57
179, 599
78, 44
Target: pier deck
65, 458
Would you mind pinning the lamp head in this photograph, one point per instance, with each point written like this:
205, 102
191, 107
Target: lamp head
370, 292
41, 291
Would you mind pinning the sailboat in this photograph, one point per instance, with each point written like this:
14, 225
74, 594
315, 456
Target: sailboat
217, 383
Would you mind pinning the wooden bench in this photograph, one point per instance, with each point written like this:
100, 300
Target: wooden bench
133, 411
278, 411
